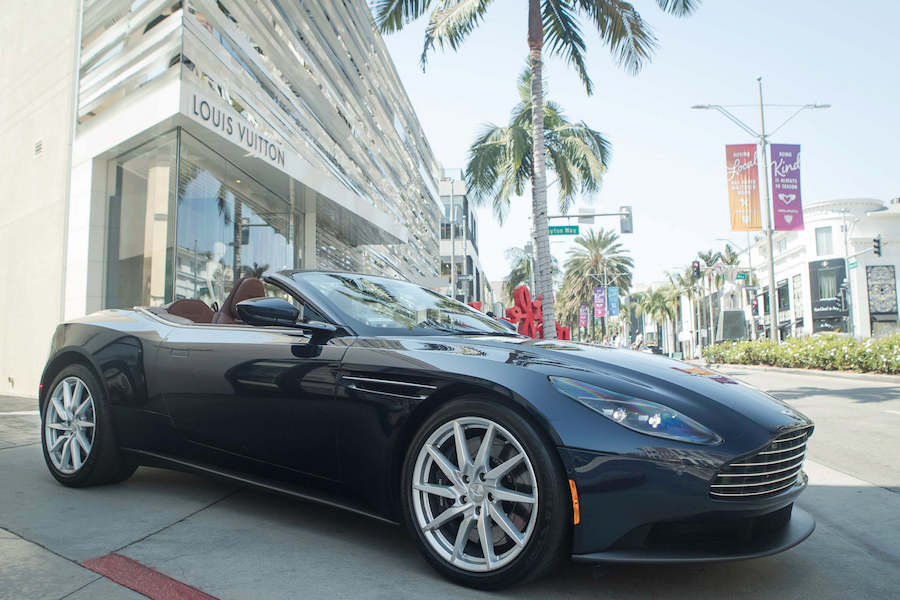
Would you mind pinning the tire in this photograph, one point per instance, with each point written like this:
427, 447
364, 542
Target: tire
92, 456
532, 495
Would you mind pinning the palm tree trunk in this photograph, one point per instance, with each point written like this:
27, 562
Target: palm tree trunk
543, 274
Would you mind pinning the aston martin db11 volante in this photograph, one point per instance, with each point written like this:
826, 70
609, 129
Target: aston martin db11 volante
501, 454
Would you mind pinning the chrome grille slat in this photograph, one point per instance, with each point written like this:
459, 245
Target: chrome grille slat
742, 480
770, 462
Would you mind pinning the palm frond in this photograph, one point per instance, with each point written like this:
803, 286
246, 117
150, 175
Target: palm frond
562, 36
624, 32
392, 15
451, 22
678, 8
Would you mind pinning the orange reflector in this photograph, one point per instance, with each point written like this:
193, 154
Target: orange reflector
576, 512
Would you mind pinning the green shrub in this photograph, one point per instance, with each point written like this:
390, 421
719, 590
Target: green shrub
828, 352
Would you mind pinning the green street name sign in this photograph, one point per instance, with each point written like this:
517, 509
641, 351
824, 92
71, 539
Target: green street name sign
852, 264
741, 276
564, 230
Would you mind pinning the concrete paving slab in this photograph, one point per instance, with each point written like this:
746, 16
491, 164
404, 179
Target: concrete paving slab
104, 589
89, 522
29, 571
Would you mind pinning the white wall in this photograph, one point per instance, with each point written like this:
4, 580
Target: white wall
37, 65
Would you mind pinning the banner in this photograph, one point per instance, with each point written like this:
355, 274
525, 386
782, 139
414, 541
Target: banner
599, 302
787, 209
743, 187
612, 299
583, 316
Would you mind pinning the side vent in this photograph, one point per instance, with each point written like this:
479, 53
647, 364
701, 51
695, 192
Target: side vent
396, 388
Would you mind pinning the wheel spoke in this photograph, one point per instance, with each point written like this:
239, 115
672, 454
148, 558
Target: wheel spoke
56, 445
462, 452
505, 467
445, 516
77, 393
462, 535
444, 491
67, 396
82, 406
83, 424
83, 442
501, 493
58, 407
483, 456
505, 524
445, 465
57, 426
66, 454
487, 542
75, 449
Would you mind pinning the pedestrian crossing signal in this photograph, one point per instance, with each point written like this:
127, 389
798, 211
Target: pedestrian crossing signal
876, 245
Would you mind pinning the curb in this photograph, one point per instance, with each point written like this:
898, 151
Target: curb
815, 372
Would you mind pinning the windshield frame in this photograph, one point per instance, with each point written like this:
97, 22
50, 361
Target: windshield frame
305, 286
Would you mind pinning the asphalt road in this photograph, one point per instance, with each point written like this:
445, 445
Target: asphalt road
236, 543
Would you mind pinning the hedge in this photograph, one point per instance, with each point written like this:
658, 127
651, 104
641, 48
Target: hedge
829, 352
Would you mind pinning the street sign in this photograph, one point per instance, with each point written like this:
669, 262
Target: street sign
741, 276
852, 264
564, 230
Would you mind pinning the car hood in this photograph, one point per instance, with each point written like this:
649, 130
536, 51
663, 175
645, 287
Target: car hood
683, 386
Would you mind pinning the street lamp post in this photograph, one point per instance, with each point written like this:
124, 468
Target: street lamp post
762, 161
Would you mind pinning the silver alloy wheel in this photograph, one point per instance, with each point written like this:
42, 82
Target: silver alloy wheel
69, 423
475, 495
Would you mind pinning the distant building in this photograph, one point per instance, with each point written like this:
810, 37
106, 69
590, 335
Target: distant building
459, 242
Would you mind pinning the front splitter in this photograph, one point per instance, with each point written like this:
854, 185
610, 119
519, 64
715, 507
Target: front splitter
797, 529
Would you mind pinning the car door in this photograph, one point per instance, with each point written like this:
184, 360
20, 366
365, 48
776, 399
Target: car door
257, 393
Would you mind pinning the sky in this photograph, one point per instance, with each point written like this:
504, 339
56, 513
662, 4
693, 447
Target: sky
668, 161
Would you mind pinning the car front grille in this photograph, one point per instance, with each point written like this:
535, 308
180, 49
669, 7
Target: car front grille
771, 470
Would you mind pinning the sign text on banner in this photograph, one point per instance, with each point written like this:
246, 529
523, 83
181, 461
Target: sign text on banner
787, 212
743, 187
599, 302
612, 299
583, 316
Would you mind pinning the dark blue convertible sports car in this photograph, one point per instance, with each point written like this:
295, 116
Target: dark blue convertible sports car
501, 454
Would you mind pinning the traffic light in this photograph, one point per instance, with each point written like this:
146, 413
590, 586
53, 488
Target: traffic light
695, 269
754, 305
626, 225
876, 245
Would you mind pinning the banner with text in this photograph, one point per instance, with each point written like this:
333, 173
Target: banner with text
743, 187
612, 299
787, 208
599, 302
583, 316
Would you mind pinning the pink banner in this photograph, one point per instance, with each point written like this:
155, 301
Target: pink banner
743, 187
599, 301
583, 316
787, 209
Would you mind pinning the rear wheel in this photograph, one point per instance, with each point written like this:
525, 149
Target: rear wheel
485, 496
77, 435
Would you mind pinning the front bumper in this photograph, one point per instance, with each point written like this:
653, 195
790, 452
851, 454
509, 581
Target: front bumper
636, 509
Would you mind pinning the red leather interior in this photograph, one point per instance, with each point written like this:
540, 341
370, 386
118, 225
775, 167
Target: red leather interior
246, 288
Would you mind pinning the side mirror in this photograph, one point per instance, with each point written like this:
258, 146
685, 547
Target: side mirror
268, 311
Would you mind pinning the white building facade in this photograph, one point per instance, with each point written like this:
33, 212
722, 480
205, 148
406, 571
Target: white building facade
162, 150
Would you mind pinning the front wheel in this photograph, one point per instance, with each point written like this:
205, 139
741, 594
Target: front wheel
485, 495
77, 435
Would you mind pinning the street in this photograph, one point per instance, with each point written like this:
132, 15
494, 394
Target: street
235, 543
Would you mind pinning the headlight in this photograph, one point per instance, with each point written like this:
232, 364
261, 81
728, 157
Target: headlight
638, 415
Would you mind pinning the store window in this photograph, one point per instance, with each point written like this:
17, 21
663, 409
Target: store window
228, 226
186, 223
824, 245
139, 223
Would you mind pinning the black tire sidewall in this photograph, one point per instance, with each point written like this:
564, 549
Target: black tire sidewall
104, 460
547, 543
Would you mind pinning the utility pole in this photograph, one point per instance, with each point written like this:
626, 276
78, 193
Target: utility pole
846, 230
763, 163
452, 243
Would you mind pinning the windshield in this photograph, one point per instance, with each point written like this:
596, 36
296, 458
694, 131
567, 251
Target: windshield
392, 307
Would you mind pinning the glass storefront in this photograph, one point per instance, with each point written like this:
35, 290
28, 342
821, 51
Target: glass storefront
226, 225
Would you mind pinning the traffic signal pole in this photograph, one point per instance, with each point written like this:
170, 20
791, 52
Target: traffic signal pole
763, 161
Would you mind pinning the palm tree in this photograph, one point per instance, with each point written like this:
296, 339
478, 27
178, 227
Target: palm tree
520, 270
597, 257
257, 270
500, 159
621, 29
689, 287
657, 303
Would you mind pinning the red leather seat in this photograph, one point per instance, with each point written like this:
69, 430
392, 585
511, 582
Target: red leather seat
190, 309
244, 289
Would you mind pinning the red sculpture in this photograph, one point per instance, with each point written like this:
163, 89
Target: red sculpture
476, 305
526, 314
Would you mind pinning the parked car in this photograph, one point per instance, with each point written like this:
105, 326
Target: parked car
502, 455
